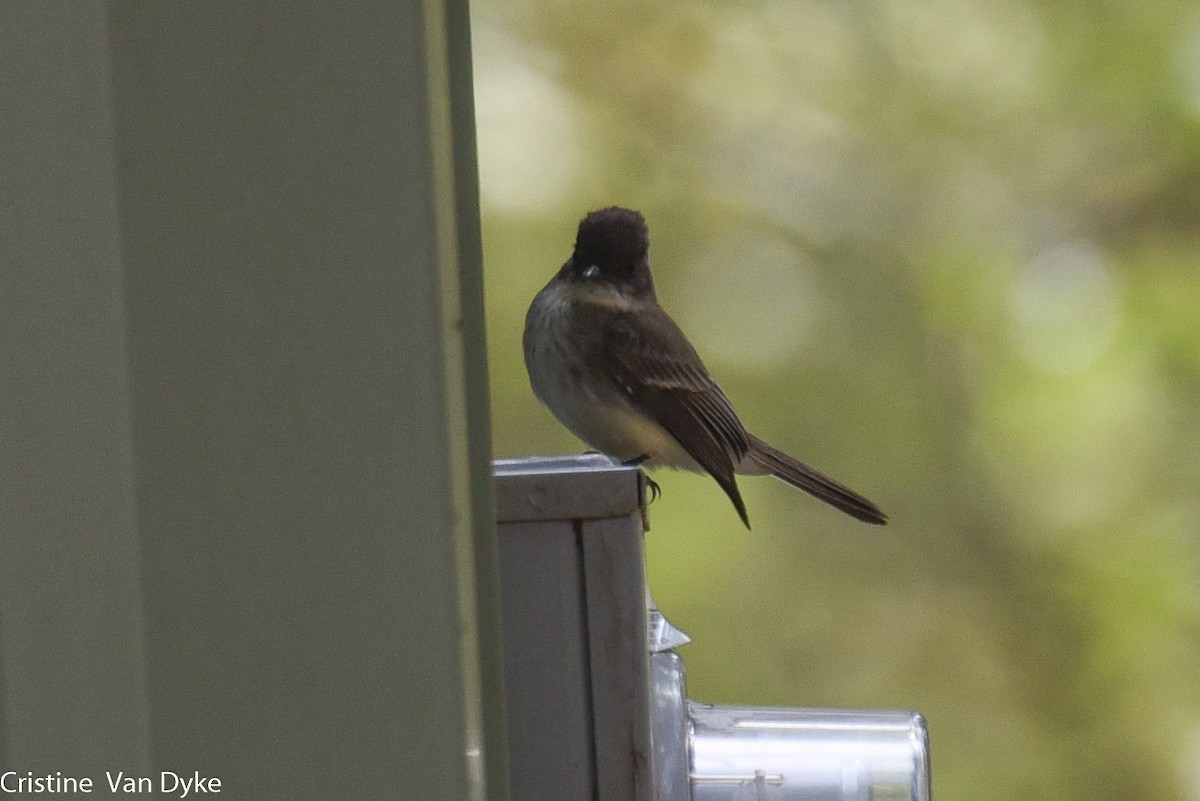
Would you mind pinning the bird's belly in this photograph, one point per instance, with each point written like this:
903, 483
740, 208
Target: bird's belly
614, 427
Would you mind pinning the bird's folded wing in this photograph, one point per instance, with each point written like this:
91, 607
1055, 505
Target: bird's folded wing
652, 363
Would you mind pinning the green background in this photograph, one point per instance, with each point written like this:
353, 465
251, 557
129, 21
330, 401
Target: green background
945, 252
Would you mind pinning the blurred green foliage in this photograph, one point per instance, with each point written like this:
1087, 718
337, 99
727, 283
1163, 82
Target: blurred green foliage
944, 251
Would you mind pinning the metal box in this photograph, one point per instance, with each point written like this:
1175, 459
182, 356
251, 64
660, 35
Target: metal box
596, 704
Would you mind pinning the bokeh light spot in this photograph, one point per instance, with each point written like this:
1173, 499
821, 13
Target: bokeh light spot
528, 131
1065, 308
749, 302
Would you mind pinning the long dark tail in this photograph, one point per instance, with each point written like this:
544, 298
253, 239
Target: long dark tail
803, 477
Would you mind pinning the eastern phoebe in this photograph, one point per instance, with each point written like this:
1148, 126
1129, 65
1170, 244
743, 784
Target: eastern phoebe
616, 370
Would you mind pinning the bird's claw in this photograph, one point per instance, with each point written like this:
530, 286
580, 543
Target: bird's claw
655, 490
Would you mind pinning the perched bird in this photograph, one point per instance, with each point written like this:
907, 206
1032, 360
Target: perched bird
618, 372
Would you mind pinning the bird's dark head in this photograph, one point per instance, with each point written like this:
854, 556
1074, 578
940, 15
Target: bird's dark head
612, 249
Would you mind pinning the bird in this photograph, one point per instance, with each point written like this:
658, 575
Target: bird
616, 370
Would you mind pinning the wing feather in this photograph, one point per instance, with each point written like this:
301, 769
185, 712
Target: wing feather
663, 375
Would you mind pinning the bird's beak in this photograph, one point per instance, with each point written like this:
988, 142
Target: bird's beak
591, 271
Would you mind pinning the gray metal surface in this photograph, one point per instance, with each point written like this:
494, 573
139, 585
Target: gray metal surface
572, 599
245, 511
588, 486
548, 695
